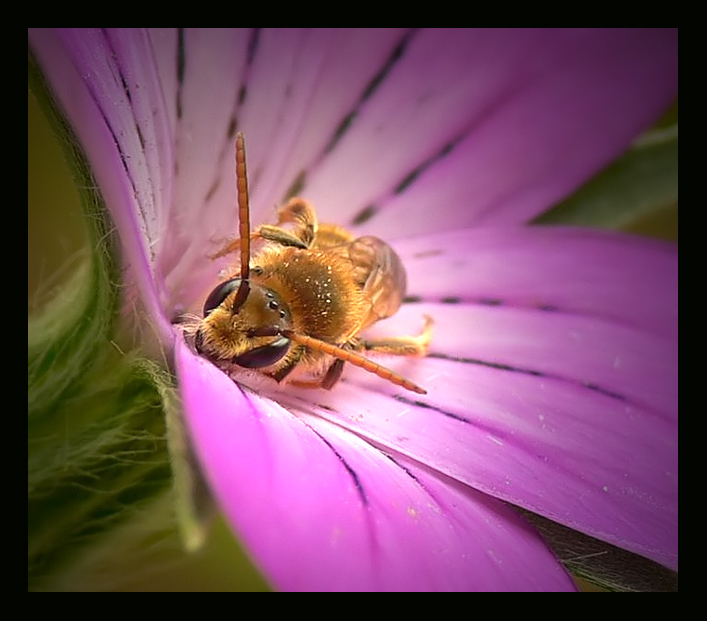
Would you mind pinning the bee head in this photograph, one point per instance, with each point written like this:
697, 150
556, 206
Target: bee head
243, 324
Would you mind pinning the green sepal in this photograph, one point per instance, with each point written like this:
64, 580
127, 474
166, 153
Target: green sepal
638, 188
96, 435
598, 563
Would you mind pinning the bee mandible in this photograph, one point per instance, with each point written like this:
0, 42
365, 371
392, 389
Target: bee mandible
295, 311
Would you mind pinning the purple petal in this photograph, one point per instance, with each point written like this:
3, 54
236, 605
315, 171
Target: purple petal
619, 278
493, 126
112, 103
287, 89
563, 405
501, 122
488, 126
504, 124
320, 508
553, 386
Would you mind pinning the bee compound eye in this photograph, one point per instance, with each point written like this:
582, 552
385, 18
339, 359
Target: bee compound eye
219, 294
263, 356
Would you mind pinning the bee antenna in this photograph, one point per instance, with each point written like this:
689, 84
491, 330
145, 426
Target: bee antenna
241, 296
243, 206
355, 359
243, 222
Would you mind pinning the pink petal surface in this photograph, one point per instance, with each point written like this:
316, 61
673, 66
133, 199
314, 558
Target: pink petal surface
124, 139
501, 122
288, 90
562, 104
569, 412
322, 509
505, 123
493, 126
555, 352
618, 278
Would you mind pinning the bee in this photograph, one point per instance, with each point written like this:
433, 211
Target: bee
295, 310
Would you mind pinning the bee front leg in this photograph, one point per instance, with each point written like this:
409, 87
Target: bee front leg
301, 213
328, 381
289, 364
333, 374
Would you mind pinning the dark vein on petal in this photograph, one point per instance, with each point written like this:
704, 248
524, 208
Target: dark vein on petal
604, 391
297, 185
397, 54
126, 88
428, 253
90, 85
489, 430
532, 372
373, 85
428, 406
454, 299
430, 471
253, 45
181, 68
408, 401
343, 127
364, 215
352, 473
405, 470
412, 176
242, 94
483, 301
212, 190
140, 137
383, 450
485, 363
232, 127
491, 365
490, 302
463, 134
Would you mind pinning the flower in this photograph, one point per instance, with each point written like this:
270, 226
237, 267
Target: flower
552, 376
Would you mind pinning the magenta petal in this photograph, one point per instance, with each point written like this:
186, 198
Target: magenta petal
321, 509
595, 463
287, 89
553, 371
91, 72
505, 123
493, 126
617, 278
544, 389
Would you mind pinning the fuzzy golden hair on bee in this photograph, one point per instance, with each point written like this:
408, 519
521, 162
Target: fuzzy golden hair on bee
294, 310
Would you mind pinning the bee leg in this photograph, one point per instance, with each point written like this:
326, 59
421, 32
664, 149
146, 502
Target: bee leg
331, 377
333, 374
301, 213
291, 361
400, 345
280, 236
233, 245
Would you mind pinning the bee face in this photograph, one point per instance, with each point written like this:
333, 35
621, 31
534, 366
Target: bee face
245, 331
